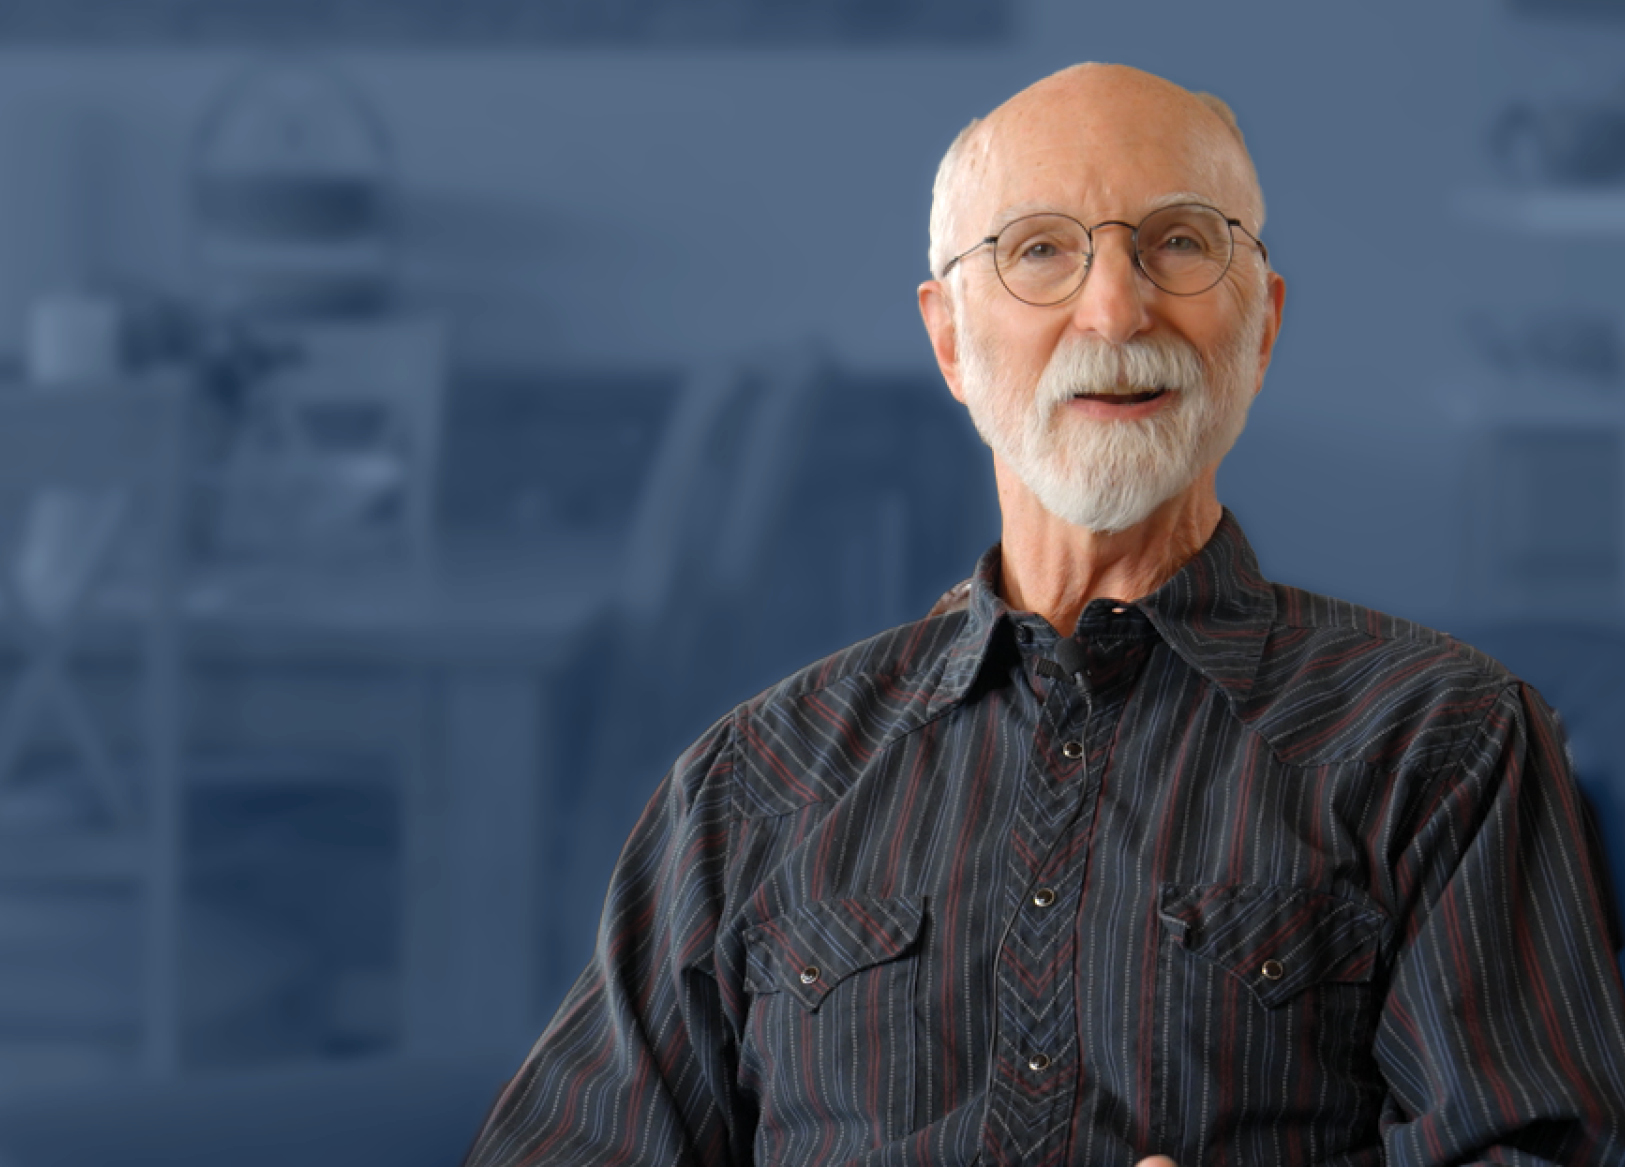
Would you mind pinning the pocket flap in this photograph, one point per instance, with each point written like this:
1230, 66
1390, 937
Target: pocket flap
809, 951
1277, 940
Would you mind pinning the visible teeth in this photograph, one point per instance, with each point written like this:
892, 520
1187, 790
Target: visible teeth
1126, 396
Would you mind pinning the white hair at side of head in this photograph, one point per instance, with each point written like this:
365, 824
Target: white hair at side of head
945, 194
1228, 116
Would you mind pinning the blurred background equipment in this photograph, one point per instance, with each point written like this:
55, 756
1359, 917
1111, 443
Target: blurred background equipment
294, 197
335, 453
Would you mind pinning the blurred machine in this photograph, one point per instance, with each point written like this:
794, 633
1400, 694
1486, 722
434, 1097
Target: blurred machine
89, 732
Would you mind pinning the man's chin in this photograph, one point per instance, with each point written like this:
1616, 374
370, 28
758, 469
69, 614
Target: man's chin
1107, 509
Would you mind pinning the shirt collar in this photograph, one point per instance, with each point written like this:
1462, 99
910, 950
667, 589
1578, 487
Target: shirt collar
1215, 612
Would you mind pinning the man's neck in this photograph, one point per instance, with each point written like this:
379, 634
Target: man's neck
1054, 568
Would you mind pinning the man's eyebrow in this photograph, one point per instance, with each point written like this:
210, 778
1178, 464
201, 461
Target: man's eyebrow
1021, 210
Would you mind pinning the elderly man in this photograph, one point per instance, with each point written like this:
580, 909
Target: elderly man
1123, 850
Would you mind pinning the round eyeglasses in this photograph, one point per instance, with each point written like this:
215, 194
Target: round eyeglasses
1043, 259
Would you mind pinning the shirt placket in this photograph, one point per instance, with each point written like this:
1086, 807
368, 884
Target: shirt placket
1034, 1086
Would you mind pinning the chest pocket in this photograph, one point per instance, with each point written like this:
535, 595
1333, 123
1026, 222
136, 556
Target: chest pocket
831, 1044
809, 952
1277, 941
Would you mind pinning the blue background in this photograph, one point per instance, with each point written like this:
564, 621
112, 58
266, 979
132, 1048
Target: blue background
596, 212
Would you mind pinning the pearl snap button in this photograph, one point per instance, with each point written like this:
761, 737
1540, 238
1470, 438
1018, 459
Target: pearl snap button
1038, 1063
1073, 750
1273, 970
1044, 897
809, 974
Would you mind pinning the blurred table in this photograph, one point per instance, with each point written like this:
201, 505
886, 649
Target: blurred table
475, 652
483, 600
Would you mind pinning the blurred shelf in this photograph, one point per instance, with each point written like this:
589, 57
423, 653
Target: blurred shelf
288, 767
1529, 402
1545, 212
73, 857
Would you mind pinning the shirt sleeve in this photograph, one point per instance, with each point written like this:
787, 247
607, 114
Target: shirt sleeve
635, 1067
1502, 1039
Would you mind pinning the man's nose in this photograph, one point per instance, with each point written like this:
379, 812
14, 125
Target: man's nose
1112, 302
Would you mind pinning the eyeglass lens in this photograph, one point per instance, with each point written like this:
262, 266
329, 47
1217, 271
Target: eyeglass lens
1043, 259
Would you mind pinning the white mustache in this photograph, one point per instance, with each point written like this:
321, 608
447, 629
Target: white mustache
1090, 365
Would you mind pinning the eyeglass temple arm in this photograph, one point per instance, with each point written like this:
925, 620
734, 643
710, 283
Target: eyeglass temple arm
1262, 250
949, 266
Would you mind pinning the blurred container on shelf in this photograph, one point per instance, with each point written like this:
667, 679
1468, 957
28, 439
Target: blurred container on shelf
335, 452
1577, 345
1578, 142
73, 336
72, 340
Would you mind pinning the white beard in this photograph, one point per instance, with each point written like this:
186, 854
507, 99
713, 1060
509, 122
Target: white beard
1109, 475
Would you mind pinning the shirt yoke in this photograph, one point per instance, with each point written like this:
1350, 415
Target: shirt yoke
806, 738
1335, 683
1338, 682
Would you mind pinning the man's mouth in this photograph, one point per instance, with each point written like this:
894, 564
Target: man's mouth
1121, 398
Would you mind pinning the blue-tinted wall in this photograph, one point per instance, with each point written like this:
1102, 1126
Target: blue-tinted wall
597, 213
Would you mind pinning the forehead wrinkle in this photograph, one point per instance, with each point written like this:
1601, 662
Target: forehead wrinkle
1027, 207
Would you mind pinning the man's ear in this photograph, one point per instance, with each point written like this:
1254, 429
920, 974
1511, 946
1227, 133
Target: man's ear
938, 313
1275, 290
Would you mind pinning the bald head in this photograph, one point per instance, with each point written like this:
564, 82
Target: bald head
1112, 119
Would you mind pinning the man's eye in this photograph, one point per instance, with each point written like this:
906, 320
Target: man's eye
1180, 244
1041, 249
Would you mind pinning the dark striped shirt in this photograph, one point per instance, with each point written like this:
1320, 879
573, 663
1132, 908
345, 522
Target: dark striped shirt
1275, 880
